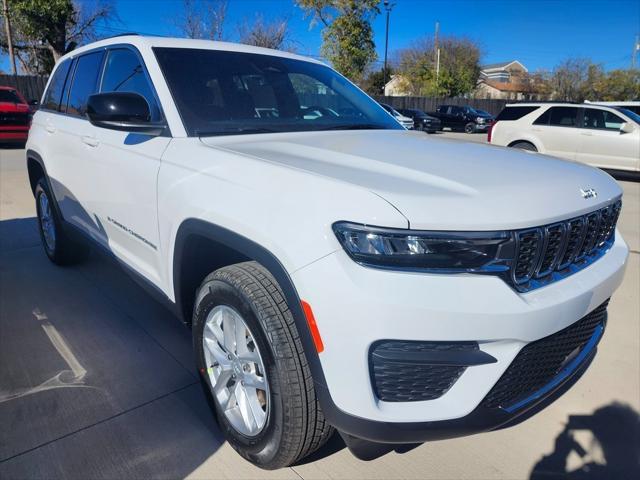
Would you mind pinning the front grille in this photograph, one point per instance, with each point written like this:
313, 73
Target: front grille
540, 361
14, 119
396, 378
554, 251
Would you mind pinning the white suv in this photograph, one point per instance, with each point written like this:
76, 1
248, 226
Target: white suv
336, 269
598, 135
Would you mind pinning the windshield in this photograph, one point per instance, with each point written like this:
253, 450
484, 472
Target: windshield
225, 93
9, 96
632, 115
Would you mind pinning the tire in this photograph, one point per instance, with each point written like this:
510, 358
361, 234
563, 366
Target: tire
470, 128
524, 146
294, 425
59, 247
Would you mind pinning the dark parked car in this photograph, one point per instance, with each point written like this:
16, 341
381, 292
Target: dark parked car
464, 119
421, 120
15, 116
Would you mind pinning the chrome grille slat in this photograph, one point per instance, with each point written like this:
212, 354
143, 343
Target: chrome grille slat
551, 252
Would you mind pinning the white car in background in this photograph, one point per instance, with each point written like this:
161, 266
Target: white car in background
598, 135
403, 120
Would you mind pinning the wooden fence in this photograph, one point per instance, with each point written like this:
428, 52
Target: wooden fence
429, 104
31, 86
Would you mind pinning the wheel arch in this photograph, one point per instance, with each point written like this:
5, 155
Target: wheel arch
524, 140
36, 169
194, 254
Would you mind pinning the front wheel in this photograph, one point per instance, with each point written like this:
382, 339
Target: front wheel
470, 128
253, 367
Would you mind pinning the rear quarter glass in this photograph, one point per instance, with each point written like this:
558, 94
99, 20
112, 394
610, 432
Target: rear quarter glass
515, 113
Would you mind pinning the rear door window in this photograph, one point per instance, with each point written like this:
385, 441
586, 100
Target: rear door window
85, 82
56, 87
563, 116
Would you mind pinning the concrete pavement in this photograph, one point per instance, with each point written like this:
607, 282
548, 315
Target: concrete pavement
97, 381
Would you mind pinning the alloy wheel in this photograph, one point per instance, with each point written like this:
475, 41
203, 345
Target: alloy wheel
46, 222
236, 370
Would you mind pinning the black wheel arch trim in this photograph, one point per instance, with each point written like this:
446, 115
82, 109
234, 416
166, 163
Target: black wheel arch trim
32, 155
260, 254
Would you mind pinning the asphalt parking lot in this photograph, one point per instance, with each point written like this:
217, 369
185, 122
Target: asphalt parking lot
97, 381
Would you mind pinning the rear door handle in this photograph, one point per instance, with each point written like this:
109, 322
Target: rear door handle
586, 134
50, 128
91, 141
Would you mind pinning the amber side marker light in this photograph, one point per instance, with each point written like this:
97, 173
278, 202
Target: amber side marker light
313, 326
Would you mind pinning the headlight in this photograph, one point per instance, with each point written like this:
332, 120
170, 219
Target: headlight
440, 252
480, 120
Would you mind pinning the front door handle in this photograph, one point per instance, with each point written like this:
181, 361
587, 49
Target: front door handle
91, 141
50, 128
586, 134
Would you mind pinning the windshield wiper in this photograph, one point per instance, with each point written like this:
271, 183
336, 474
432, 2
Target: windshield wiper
235, 131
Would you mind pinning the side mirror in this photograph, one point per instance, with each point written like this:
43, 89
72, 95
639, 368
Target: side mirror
126, 112
627, 128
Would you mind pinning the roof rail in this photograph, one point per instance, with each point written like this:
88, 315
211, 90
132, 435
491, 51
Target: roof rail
126, 34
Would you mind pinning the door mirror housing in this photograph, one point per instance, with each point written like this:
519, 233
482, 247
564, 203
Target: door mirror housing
627, 127
123, 111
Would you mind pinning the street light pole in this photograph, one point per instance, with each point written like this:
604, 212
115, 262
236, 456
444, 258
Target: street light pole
388, 7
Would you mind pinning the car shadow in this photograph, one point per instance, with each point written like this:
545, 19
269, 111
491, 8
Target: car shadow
96, 378
612, 453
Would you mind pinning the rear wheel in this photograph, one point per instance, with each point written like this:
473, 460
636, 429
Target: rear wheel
59, 247
253, 367
524, 146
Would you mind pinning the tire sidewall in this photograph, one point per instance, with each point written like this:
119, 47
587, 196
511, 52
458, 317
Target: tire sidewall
264, 446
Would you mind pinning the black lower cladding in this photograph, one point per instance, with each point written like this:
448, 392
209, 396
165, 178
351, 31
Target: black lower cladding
412, 371
540, 361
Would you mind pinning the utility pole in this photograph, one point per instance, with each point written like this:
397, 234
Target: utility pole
636, 51
436, 50
388, 7
7, 26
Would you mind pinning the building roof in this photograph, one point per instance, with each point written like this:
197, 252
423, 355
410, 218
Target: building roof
502, 65
507, 86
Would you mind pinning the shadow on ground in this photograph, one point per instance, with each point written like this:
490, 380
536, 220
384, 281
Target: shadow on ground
612, 453
96, 379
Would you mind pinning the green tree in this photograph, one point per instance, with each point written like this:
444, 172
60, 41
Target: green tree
373, 83
619, 85
457, 73
347, 35
47, 29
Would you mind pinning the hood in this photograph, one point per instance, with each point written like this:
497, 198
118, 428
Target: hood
438, 183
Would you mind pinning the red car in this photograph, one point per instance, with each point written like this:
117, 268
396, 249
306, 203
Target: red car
15, 116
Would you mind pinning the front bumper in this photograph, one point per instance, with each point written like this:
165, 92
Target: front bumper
355, 307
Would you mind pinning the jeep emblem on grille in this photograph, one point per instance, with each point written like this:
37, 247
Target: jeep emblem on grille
588, 193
